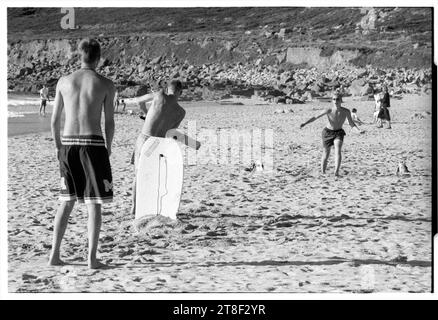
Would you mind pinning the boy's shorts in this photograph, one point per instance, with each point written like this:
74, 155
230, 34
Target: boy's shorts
85, 170
329, 136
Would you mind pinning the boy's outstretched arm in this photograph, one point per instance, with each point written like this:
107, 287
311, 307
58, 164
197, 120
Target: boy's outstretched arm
145, 98
315, 118
141, 101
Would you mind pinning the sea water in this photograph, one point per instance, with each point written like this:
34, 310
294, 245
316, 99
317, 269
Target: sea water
23, 114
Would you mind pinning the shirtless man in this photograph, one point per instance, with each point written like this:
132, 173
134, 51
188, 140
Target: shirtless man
83, 159
333, 134
164, 114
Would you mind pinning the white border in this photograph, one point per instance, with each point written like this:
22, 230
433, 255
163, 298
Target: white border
162, 296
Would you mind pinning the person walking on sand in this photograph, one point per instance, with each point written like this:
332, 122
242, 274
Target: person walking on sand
384, 108
116, 101
333, 134
163, 115
44, 96
355, 117
83, 158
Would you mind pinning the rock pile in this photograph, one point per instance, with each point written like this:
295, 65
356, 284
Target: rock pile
136, 71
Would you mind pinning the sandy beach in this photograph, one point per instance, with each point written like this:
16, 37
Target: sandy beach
289, 230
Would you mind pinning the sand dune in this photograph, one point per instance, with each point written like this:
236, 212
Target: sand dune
291, 230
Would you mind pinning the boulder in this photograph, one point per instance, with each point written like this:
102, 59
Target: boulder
142, 68
157, 60
360, 88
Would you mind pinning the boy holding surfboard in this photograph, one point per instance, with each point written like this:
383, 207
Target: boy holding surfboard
163, 115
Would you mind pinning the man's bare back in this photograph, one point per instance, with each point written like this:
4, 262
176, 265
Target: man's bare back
164, 114
84, 93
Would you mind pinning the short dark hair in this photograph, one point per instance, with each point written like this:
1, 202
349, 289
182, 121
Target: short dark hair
354, 110
175, 85
90, 50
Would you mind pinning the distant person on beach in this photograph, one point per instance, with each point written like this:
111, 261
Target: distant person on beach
376, 107
383, 114
164, 114
124, 105
44, 96
83, 158
333, 134
355, 117
116, 101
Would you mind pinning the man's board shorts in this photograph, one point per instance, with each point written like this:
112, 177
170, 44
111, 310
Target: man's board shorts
43, 102
137, 149
329, 136
85, 170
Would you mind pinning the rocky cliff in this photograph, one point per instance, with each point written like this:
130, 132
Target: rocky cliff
218, 64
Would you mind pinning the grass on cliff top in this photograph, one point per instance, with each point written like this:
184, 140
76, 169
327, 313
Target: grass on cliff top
321, 22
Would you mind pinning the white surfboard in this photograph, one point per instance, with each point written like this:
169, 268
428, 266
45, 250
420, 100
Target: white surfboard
159, 178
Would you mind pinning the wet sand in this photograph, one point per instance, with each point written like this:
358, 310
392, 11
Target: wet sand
291, 230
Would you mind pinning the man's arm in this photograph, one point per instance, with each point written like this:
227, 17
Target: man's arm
143, 108
141, 101
145, 98
109, 116
315, 118
56, 116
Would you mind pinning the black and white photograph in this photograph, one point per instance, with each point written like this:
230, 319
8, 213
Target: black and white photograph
209, 149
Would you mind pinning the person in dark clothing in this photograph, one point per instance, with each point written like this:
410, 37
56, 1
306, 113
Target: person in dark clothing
384, 108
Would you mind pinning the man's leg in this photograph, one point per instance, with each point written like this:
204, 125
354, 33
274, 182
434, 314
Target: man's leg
338, 156
41, 106
389, 124
94, 224
388, 119
324, 158
60, 225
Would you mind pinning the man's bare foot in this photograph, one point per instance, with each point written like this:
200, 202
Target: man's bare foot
55, 262
96, 264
